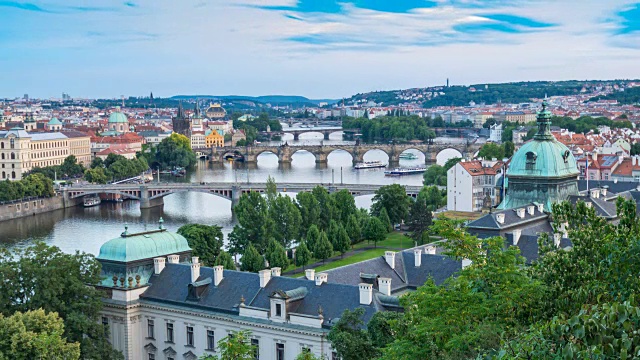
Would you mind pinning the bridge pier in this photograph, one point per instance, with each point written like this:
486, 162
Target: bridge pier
326, 135
296, 136
236, 192
430, 158
321, 158
151, 203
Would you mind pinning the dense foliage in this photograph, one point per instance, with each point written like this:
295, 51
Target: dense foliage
35, 335
43, 277
34, 185
400, 129
628, 96
115, 167
205, 241
174, 151
236, 346
67, 170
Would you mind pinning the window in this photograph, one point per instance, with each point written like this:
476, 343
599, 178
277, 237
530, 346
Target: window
189, 335
150, 327
256, 348
278, 309
152, 356
105, 325
334, 355
13, 156
169, 332
211, 341
279, 351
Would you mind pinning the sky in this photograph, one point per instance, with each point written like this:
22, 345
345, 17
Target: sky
314, 48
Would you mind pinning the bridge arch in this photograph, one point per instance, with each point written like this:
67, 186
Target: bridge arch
225, 194
223, 155
129, 194
373, 152
444, 154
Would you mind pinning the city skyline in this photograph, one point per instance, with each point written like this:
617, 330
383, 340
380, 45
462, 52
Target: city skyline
317, 49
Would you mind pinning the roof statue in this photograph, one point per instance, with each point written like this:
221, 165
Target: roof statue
542, 170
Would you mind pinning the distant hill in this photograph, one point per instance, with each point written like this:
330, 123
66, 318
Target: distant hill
462, 95
628, 96
271, 99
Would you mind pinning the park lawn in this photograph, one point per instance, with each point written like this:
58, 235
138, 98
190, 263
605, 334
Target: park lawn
395, 240
460, 215
365, 255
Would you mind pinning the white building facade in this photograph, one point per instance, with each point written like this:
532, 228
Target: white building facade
469, 183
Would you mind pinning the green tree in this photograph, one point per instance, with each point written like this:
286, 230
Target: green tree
341, 242
95, 175
345, 205
236, 346
353, 229
70, 167
303, 255
451, 163
323, 249
435, 175
175, 151
252, 214
375, 230
225, 259
35, 335
419, 219
490, 151
349, 339
380, 328
489, 122
57, 282
313, 238
328, 209
394, 199
97, 162
205, 241
509, 148
286, 216
309, 210
307, 355
252, 260
384, 217
271, 191
434, 197
276, 255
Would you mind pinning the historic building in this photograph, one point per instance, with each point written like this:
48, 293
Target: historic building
182, 123
117, 124
216, 111
471, 183
162, 303
214, 138
543, 170
21, 151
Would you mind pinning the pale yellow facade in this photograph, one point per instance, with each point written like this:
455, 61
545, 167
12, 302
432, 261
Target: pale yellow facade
214, 139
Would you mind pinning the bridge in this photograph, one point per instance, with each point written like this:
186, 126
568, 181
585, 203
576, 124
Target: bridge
321, 152
152, 194
311, 121
326, 131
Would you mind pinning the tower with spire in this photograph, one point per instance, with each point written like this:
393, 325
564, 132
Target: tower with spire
181, 123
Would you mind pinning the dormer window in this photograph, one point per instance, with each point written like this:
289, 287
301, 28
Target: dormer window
565, 156
279, 310
531, 160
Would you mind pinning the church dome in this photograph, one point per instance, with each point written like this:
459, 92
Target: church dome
216, 111
544, 156
144, 245
54, 121
117, 117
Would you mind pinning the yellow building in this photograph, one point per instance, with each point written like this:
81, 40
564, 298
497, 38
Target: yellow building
214, 138
20, 151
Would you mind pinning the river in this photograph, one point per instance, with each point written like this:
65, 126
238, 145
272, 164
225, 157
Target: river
86, 229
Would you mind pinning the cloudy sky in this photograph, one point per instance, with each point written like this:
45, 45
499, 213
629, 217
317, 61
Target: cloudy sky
315, 48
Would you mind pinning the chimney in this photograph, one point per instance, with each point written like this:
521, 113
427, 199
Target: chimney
309, 274
531, 209
500, 218
195, 269
218, 272
384, 284
603, 191
174, 259
556, 239
194, 260
595, 193
594, 156
541, 208
588, 204
390, 257
275, 271
265, 276
158, 265
565, 229
417, 255
321, 278
465, 263
431, 250
520, 213
366, 293
516, 236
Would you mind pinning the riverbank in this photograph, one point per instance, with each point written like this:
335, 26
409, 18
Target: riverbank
30, 207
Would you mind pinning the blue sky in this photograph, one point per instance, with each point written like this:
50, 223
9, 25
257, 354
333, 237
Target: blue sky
315, 48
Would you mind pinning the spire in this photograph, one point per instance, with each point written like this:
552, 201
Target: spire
196, 110
544, 124
180, 114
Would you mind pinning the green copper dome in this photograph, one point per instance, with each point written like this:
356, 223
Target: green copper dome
145, 245
54, 121
117, 117
544, 156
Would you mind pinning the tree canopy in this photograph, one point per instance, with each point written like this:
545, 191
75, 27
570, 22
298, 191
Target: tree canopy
205, 240
394, 199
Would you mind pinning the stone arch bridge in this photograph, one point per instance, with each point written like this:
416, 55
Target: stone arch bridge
152, 194
321, 152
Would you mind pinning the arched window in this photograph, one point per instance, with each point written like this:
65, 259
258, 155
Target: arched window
2, 145
12, 142
4, 175
2, 156
13, 156
13, 174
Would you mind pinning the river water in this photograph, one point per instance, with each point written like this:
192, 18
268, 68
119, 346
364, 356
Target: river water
86, 229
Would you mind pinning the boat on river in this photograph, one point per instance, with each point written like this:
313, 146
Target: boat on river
405, 171
91, 200
370, 165
408, 156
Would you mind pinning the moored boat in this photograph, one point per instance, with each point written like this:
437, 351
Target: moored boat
370, 165
91, 200
405, 171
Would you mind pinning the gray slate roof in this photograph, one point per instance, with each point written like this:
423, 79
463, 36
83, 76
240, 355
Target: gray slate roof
511, 219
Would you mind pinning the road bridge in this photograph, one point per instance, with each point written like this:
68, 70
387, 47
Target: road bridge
321, 152
152, 194
325, 131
